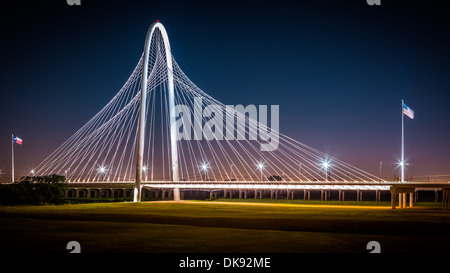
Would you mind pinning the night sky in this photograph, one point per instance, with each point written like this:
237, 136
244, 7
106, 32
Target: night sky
338, 70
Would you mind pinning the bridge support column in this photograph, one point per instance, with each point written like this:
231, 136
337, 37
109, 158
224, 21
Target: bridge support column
411, 199
212, 195
258, 192
273, 194
306, 194
290, 194
176, 194
323, 195
242, 194
445, 199
358, 196
402, 198
393, 197
341, 195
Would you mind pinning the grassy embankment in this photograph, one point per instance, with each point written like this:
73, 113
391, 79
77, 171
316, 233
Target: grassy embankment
222, 226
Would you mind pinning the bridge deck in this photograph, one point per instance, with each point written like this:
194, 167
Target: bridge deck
291, 185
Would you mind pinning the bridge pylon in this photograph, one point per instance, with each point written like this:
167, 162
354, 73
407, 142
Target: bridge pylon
142, 109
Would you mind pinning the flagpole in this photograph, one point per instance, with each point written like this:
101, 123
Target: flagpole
403, 145
12, 156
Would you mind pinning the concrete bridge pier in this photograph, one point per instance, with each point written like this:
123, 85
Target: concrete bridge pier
226, 193
402, 193
358, 195
176, 194
258, 194
273, 193
242, 194
290, 194
306, 194
212, 194
445, 199
341, 195
323, 195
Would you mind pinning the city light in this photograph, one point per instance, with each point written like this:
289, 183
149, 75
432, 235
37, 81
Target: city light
261, 167
102, 169
402, 163
204, 166
326, 166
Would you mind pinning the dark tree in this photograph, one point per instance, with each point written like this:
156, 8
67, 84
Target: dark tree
34, 190
275, 178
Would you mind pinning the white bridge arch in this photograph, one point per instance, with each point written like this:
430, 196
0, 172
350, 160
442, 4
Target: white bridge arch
143, 103
128, 141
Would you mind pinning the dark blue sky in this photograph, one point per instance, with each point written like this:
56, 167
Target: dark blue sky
338, 70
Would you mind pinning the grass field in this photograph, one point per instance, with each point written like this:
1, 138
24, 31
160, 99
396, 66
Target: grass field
224, 226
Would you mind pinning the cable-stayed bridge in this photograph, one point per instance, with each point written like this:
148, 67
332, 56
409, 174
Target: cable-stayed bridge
160, 130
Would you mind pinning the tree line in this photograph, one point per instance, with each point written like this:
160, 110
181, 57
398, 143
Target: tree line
34, 190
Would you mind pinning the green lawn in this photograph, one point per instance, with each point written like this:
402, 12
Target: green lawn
194, 226
328, 202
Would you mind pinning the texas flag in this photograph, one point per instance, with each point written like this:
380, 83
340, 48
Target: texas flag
17, 140
408, 111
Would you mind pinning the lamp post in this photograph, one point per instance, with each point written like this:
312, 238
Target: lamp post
204, 167
326, 166
381, 164
232, 173
66, 173
145, 168
402, 164
102, 171
261, 167
299, 171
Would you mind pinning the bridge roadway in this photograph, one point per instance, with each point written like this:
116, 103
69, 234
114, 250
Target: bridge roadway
399, 190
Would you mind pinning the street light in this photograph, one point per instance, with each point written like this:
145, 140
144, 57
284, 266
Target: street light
32, 172
145, 168
204, 167
381, 164
261, 167
232, 173
102, 170
402, 165
66, 173
326, 165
